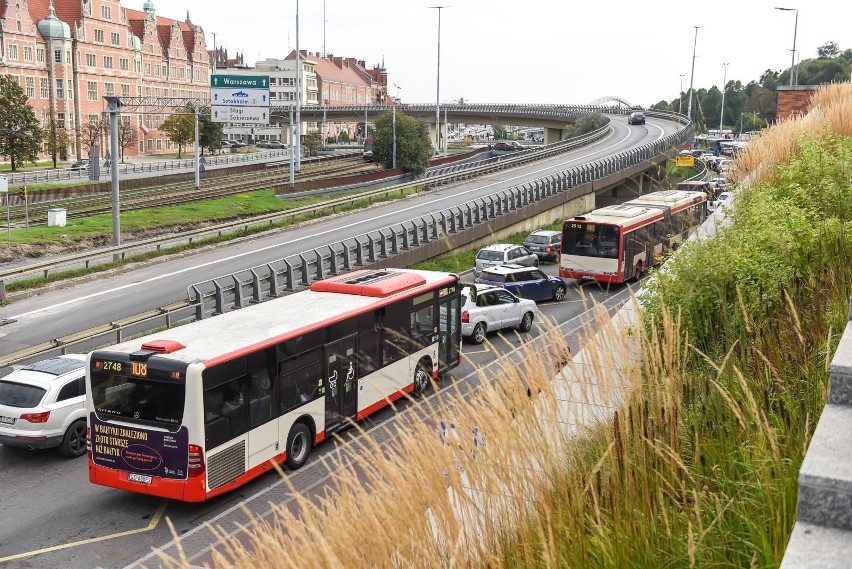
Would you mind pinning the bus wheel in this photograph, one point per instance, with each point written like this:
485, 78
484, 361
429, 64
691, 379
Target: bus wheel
298, 446
421, 377
74, 442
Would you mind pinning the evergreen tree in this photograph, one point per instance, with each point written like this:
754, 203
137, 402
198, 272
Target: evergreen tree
20, 134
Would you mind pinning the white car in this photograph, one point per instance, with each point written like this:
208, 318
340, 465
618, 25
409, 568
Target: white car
713, 205
43, 405
486, 308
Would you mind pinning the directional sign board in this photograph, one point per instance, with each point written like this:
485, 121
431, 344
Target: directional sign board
253, 115
237, 97
240, 98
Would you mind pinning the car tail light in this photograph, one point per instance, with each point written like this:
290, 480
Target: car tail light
196, 460
36, 417
466, 317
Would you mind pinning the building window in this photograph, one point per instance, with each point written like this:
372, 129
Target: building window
150, 145
92, 91
13, 51
30, 82
60, 89
57, 56
147, 69
182, 73
109, 89
28, 54
105, 13
124, 64
125, 90
115, 38
91, 60
20, 28
159, 144
108, 62
99, 36
138, 66
40, 55
44, 86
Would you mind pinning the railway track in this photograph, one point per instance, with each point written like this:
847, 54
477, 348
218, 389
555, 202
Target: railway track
185, 192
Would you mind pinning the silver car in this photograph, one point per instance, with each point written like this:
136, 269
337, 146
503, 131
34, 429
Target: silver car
501, 254
486, 308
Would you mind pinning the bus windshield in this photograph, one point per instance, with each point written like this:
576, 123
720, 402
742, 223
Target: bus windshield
138, 400
590, 239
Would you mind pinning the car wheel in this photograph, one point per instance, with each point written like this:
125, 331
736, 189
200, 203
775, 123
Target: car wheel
74, 442
526, 322
298, 446
559, 293
421, 377
478, 335
535, 262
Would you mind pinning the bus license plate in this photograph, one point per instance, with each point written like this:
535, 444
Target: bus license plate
7, 420
143, 478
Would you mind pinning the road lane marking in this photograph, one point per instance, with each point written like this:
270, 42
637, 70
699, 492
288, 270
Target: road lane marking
151, 525
292, 241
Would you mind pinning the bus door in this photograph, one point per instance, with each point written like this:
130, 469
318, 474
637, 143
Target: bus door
448, 332
341, 371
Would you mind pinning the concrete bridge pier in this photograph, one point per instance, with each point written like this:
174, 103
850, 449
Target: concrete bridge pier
443, 139
553, 135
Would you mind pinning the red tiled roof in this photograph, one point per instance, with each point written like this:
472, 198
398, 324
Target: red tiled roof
136, 26
66, 10
328, 71
164, 29
189, 40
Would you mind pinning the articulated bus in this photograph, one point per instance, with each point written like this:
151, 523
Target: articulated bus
617, 243
195, 411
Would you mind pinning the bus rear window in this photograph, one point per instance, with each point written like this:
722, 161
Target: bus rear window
138, 400
590, 240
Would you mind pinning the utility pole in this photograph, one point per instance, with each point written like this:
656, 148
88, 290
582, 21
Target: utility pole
692, 75
298, 141
722, 115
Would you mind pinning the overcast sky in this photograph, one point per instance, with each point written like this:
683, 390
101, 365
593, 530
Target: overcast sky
522, 51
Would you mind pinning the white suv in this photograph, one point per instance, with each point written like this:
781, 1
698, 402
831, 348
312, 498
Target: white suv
486, 308
43, 405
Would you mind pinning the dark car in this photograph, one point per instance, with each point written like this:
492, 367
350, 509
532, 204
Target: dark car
524, 282
507, 146
636, 118
545, 244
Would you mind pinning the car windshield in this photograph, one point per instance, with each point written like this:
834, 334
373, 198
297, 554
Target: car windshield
538, 239
488, 255
20, 395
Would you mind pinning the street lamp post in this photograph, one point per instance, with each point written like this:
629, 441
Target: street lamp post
692, 74
438, 82
795, 29
741, 124
724, 88
396, 102
680, 96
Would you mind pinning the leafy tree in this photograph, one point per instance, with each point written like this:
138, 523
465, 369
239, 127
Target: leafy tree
209, 132
828, 50
20, 135
413, 146
662, 105
344, 136
126, 135
500, 132
56, 139
181, 128
312, 141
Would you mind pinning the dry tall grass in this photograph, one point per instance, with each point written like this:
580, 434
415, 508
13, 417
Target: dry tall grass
831, 112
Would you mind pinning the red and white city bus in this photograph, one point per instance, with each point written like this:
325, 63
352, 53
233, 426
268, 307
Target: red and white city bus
617, 243
195, 411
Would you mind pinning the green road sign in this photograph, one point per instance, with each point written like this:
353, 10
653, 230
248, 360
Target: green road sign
244, 81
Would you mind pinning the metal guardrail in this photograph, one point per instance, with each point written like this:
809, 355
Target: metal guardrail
164, 166
288, 274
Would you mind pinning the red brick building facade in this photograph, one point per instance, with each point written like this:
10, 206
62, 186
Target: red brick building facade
68, 54
793, 100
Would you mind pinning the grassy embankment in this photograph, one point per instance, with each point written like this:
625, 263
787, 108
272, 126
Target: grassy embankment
96, 230
697, 467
